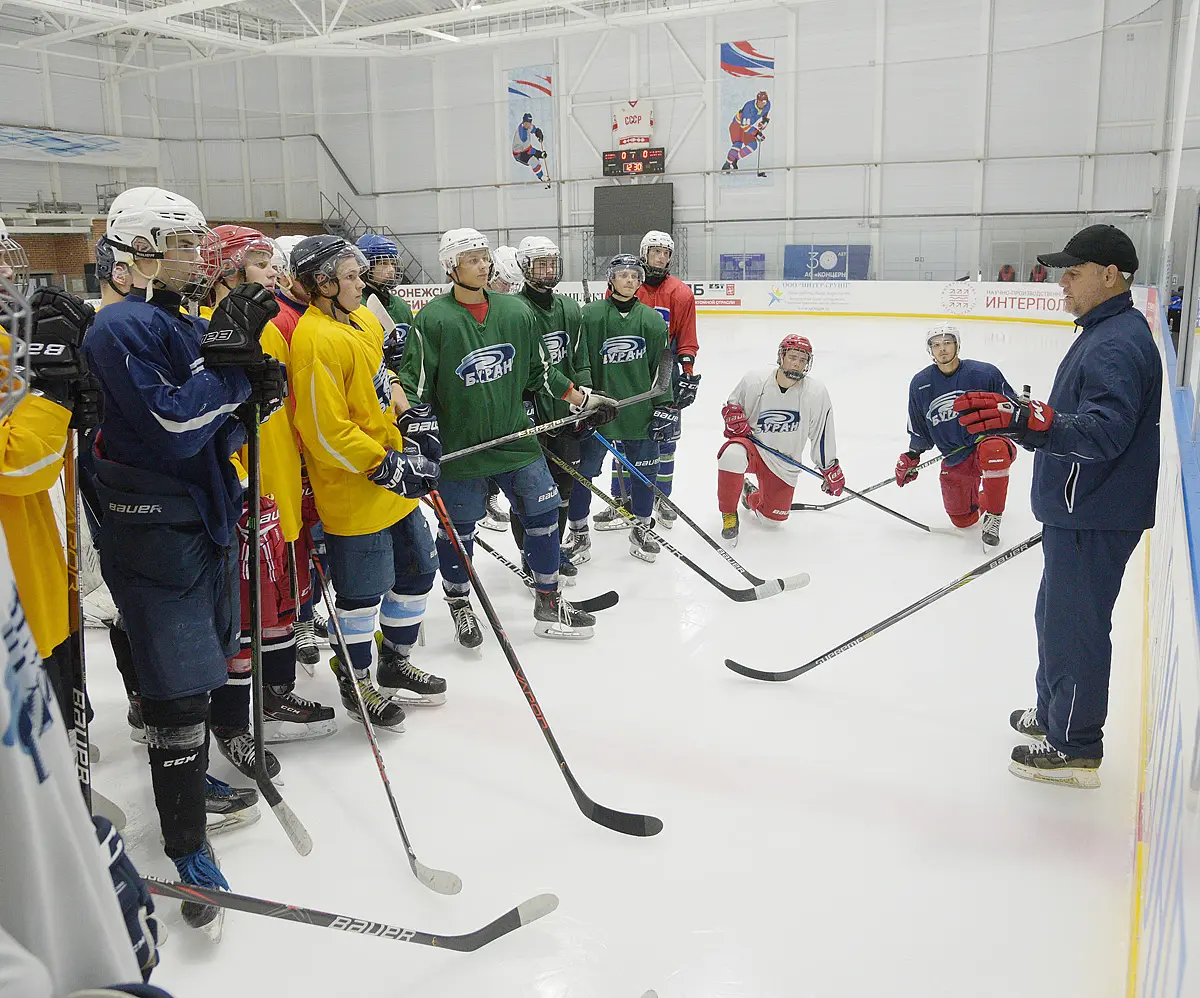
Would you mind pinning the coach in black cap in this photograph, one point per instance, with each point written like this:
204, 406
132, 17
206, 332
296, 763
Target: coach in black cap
1095, 475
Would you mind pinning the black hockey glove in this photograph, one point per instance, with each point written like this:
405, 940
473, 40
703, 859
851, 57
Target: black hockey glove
231, 339
268, 386
530, 410
419, 428
540, 136
664, 424
87, 404
408, 475
55, 363
685, 394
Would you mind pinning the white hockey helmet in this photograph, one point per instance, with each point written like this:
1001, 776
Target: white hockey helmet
534, 248
149, 223
282, 257
458, 241
940, 330
506, 273
656, 238
14, 261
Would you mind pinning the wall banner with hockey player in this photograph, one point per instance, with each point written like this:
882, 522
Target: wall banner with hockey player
531, 122
745, 134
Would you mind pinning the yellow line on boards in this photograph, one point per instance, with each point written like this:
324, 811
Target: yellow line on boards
1139, 855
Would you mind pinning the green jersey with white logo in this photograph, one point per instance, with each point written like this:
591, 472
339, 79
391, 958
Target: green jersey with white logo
623, 353
474, 375
558, 326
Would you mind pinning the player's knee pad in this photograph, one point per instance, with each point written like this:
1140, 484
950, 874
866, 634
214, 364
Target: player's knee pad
542, 524
996, 456
733, 458
176, 724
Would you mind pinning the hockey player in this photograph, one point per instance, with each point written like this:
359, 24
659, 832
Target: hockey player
622, 344
528, 147
382, 278
786, 406
244, 255
288, 292
506, 271
747, 130
974, 476
367, 475
471, 355
675, 302
171, 496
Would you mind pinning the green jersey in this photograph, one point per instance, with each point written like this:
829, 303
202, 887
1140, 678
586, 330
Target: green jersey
393, 304
379, 301
622, 354
474, 375
558, 326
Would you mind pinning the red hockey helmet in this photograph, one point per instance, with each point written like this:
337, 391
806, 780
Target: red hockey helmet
794, 341
761, 97
229, 245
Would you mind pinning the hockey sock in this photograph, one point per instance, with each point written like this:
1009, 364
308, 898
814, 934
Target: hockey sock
400, 619
642, 495
124, 656
306, 609
580, 505
358, 627
177, 740
455, 580
729, 490
579, 526
279, 656
518, 530
666, 466
542, 553
231, 702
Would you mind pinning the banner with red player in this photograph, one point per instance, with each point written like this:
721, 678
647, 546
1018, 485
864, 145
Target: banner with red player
744, 111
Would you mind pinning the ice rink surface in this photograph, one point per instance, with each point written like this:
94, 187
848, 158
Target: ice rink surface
854, 833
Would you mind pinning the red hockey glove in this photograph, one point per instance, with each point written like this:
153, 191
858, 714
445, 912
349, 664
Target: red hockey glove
276, 595
906, 465
835, 481
736, 423
1027, 422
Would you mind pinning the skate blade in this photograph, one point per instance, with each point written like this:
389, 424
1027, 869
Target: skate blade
1080, 779
397, 728
407, 698
641, 555
665, 523
279, 732
216, 928
310, 668
611, 525
489, 524
561, 632
580, 559
729, 542
137, 735
218, 824
476, 652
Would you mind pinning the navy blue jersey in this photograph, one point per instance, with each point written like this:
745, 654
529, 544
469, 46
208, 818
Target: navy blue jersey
163, 410
932, 421
1099, 468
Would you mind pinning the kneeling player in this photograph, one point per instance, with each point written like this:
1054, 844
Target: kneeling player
786, 407
932, 422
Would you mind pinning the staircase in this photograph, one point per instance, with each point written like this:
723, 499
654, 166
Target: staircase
341, 218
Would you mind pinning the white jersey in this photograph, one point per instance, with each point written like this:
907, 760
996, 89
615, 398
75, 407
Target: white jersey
632, 124
61, 927
785, 419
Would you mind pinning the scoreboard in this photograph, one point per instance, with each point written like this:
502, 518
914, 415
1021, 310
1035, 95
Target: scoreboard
631, 162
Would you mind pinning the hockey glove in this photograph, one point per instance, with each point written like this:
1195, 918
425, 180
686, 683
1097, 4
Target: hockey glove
268, 388
664, 424
906, 467
87, 403
56, 367
736, 423
231, 339
540, 136
134, 897
685, 395
1027, 422
393, 346
408, 475
419, 428
835, 481
592, 400
530, 410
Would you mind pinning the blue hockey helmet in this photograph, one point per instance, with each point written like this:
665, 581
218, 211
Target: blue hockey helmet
377, 247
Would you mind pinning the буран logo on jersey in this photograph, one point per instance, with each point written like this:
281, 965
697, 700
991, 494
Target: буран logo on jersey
941, 409
623, 349
486, 364
556, 346
778, 421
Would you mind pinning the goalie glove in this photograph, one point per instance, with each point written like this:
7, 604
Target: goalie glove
1024, 420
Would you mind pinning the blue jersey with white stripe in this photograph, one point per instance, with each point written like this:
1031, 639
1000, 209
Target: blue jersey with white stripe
163, 410
932, 421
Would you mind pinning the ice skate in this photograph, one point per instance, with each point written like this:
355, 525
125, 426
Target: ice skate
609, 519
200, 868
1045, 764
1024, 722
404, 682
290, 718
641, 545
238, 748
578, 549
466, 625
227, 808
666, 515
320, 628
554, 617
382, 711
496, 516
308, 653
729, 528
726, 166
989, 525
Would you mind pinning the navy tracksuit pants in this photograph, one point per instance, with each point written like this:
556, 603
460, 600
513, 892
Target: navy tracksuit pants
1080, 583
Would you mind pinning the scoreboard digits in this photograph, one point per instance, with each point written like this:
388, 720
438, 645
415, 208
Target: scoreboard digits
631, 162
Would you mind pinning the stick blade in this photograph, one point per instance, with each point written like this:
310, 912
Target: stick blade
796, 581
439, 881
641, 825
745, 670
514, 918
296, 832
535, 908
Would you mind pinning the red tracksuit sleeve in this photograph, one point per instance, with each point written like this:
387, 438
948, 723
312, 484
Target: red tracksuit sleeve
683, 323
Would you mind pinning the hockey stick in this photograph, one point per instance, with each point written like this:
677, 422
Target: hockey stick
791, 582
879, 485
852, 493
618, 821
79, 719
908, 611
436, 880
661, 380
762, 591
296, 831
294, 578
522, 914
602, 602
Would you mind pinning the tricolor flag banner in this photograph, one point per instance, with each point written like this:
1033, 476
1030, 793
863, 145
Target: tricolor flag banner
745, 116
531, 122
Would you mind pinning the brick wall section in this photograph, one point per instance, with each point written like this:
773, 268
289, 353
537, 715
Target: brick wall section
64, 256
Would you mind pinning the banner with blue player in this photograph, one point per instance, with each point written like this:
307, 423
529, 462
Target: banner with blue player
531, 121
744, 111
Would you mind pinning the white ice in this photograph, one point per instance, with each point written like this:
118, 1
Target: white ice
852, 834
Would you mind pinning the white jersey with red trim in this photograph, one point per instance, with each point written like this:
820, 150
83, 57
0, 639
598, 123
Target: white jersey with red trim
632, 124
785, 418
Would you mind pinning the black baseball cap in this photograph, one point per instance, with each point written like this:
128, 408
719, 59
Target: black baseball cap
1102, 244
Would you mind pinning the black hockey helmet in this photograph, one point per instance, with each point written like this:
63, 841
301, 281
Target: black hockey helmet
625, 261
318, 257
